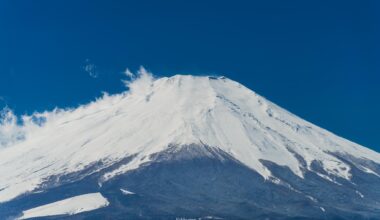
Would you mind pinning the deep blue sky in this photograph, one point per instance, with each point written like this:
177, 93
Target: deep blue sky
318, 59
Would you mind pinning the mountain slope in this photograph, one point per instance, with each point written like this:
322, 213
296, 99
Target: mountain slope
154, 123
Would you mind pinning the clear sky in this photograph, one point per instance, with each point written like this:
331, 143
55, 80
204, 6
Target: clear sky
318, 59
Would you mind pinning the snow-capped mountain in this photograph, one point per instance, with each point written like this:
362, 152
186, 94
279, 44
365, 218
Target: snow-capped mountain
187, 147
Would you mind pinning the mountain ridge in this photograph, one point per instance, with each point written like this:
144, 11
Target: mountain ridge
219, 118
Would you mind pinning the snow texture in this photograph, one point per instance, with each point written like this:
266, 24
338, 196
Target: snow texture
70, 206
126, 192
156, 113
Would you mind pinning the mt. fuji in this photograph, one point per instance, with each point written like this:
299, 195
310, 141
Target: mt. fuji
182, 147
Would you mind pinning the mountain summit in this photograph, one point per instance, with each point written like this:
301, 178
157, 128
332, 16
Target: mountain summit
186, 147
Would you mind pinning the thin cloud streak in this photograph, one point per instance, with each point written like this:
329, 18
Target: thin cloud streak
90, 68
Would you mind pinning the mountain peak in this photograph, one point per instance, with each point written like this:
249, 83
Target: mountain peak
173, 111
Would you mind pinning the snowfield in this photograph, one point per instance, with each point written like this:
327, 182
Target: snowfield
157, 113
70, 206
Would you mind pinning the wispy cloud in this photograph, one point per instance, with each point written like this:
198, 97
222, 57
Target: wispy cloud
10, 131
90, 68
139, 82
15, 129
3, 101
129, 74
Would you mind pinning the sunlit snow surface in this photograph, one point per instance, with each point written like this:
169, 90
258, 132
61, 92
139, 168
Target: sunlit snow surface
70, 206
126, 192
156, 113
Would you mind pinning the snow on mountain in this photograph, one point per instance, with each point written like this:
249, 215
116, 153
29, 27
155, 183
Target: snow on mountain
126, 192
171, 111
69, 206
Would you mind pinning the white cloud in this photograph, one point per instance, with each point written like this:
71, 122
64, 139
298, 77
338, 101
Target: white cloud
129, 74
90, 68
15, 129
141, 82
10, 131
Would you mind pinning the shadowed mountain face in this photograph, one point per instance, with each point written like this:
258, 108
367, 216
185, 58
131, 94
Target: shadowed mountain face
193, 182
184, 147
